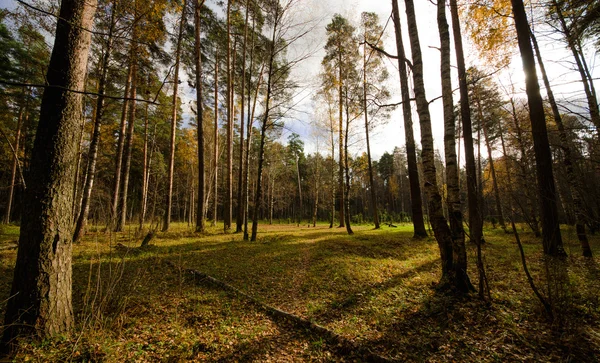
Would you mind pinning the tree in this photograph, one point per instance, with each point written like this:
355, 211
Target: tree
551, 236
458, 250
200, 212
41, 291
409, 138
439, 224
372, 88
339, 59
169, 197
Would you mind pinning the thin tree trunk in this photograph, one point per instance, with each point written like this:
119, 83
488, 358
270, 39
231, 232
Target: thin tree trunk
169, 199
301, 212
574, 182
438, 222
248, 140
41, 295
216, 143
371, 183
82, 219
124, 189
200, 212
145, 167
551, 236
342, 199
263, 131
346, 204
457, 250
494, 179
119, 154
15, 165
227, 214
411, 155
241, 187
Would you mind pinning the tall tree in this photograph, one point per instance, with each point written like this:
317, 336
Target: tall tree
41, 291
458, 250
411, 155
103, 64
573, 180
200, 213
229, 187
551, 236
340, 58
438, 221
175, 106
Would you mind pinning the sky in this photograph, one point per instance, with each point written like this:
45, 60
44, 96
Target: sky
390, 133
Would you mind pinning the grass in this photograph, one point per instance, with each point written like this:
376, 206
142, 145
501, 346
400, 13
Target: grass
374, 288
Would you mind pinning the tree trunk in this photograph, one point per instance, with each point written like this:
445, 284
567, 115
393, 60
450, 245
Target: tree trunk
119, 154
263, 131
145, 168
371, 183
457, 250
494, 179
574, 182
200, 222
240, 192
342, 199
411, 155
346, 204
124, 189
41, 291
169, 199
82, 219
227, 214
15, 165
551, 236
216, 143
438, 222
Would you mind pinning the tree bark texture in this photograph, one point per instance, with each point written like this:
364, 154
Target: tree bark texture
41, 291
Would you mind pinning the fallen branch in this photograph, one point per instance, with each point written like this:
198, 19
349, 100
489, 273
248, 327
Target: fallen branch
537, 293
344, 344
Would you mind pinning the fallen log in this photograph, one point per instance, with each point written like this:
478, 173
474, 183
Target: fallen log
345, 345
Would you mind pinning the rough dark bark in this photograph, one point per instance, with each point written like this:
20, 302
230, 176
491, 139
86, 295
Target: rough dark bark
41, 291
411, 155
551, 236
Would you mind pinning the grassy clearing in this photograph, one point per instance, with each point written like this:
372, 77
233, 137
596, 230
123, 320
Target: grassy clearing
374, 288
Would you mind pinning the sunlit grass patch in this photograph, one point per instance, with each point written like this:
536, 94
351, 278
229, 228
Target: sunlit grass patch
375, 288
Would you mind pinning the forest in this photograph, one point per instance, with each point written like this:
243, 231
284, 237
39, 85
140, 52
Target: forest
299, 180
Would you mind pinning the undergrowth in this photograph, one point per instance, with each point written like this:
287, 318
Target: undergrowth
375, 288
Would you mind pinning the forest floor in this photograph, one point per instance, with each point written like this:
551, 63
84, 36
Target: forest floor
374, 289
